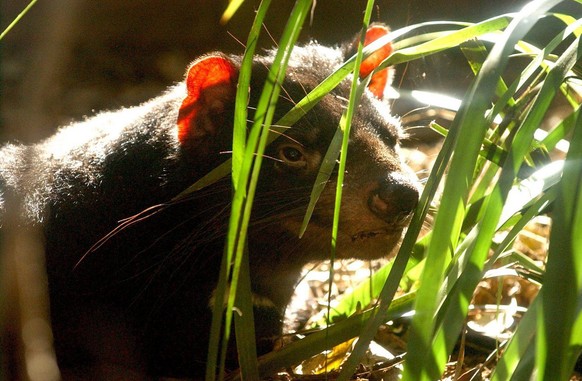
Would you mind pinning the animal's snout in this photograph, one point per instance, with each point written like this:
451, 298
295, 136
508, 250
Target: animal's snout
394, 199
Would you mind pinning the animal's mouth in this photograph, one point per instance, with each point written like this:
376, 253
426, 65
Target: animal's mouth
364, 235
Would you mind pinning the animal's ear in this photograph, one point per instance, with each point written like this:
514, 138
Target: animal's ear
381, 79
211, 88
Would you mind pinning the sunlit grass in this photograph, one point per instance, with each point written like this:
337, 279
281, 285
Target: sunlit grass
492, 138
495, 168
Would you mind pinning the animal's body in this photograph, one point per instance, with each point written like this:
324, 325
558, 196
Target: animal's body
140, 301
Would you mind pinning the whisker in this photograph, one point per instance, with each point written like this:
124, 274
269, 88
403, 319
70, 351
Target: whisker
275, 44
287, 96
305, 92
415, 110
414, 127
281, 126
182, 254
343, 99
282, 134
236, 39
124, 224
148, 213
271, 157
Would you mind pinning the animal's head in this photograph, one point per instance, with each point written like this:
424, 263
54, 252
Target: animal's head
379, 193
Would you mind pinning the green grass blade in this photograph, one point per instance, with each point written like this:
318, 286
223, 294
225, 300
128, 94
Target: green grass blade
456, 311
525, 200
17, 19
250, 165
559, 340
327, 165
244, 324
446, 41
427, 356
369, 290
239, 137
527, 208
216, 356
257, 141
315, 343
230, 10
520, 220
401, 260
400, 264
560, 131
356, 92
542, 55
522, 339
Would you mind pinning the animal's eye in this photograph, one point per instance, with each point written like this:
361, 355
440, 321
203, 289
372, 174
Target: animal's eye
291, 154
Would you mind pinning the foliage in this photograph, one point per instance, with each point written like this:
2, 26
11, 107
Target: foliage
496, 174
17, 19
489, 150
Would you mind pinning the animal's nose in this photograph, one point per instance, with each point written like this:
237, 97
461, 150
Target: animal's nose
395, 198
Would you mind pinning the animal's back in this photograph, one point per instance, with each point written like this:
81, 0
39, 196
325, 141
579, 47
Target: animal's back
77, 185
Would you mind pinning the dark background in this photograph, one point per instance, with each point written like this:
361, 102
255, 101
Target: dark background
70, 58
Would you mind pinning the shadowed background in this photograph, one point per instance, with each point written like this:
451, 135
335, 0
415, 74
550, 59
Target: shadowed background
70, 58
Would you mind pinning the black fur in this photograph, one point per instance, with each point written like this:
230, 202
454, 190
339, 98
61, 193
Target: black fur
140, 301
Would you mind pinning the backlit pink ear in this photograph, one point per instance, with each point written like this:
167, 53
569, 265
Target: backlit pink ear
211, 84
381, 79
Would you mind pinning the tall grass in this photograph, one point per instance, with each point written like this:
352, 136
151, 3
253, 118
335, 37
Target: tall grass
246, 163
17, 19
485, 167
488, 150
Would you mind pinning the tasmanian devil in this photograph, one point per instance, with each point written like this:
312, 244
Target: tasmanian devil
140, 301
